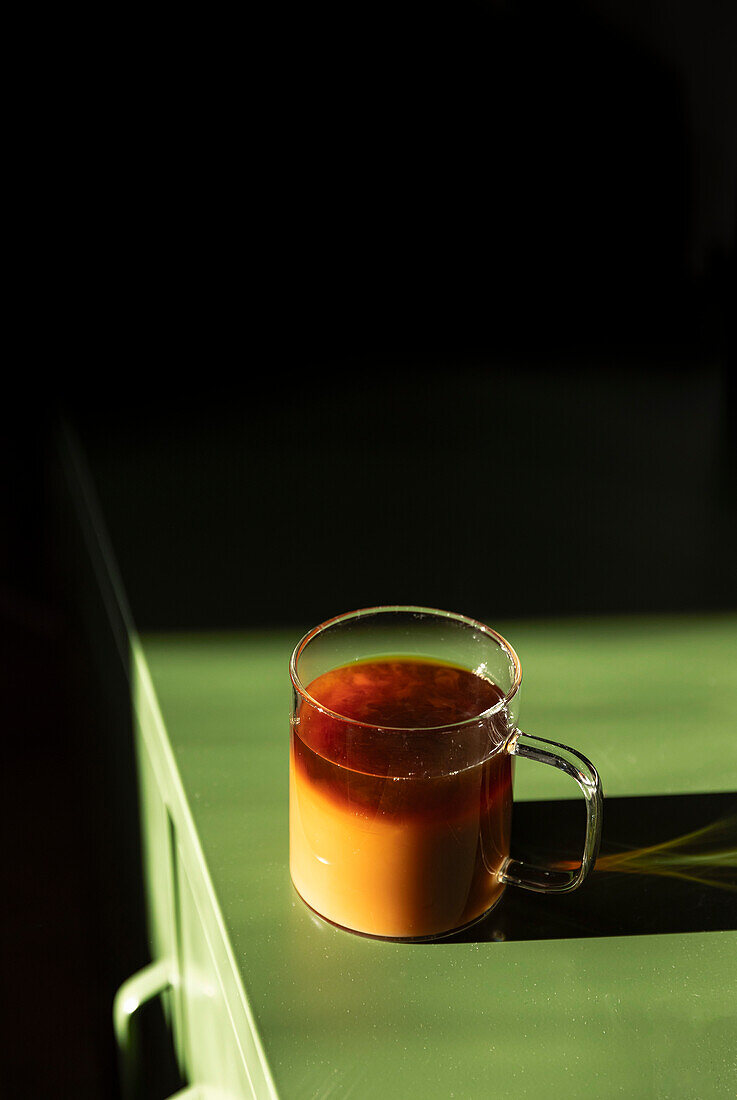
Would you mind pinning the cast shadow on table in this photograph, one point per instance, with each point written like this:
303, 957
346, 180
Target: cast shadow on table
668, 863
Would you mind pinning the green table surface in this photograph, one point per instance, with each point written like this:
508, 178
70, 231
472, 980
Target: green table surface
653, 702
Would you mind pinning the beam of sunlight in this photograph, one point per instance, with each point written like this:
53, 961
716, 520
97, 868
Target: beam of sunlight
707, 856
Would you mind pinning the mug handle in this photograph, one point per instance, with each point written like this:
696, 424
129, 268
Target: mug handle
548, 880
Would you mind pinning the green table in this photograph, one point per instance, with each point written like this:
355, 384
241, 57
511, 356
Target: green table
270, 1001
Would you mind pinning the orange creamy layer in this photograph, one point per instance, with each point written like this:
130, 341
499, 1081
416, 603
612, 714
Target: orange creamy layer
393, 873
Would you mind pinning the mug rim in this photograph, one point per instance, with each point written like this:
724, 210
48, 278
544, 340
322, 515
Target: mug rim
413, 609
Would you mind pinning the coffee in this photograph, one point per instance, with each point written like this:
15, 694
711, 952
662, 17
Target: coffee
399, 826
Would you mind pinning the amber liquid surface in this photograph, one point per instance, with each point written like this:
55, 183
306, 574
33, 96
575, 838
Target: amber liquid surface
398, 830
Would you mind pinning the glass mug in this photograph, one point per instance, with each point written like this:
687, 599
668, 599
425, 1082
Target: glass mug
403, 734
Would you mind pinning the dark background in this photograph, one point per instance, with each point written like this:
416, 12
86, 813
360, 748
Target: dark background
426, 304
432, 307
